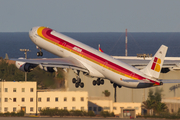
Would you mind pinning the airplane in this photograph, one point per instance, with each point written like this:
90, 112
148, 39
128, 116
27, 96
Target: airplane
91, 62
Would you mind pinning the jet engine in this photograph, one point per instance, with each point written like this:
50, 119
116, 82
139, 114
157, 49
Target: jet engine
25, 67
165, 70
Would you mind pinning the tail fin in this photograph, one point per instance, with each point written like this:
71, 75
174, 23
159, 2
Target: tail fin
153, 69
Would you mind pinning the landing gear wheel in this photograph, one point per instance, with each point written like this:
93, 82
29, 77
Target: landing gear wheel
114, 85
94, 82
78, 80
76, 85
39, 53
102, 82
111, 82
74, 80
82, 85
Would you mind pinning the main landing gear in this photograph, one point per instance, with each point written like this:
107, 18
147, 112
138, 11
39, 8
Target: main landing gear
77, 80
98, 82
115, 86
40, 53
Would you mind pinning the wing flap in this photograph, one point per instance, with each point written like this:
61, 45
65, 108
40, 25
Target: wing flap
67, 66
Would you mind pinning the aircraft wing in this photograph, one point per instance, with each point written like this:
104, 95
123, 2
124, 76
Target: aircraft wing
68, 62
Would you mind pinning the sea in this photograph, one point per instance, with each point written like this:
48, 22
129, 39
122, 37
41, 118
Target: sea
112, 43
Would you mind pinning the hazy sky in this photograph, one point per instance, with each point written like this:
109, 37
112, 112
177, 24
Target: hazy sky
91, 15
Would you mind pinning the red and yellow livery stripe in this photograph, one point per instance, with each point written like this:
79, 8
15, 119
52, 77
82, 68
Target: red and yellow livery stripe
100, 50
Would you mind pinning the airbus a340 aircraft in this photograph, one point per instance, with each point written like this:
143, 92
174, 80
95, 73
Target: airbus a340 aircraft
89, 61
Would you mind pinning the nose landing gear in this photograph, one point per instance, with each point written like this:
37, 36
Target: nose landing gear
40, 53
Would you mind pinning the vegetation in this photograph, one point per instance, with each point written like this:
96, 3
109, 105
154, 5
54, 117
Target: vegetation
106, 93
9, 72
61, 112
156, 108
153, 103
13, 114
107, 114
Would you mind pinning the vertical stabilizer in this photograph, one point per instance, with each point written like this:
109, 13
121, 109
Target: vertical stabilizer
153, 69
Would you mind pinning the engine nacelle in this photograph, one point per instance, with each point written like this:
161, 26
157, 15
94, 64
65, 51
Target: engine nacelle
25, 67
48, 69
165, 70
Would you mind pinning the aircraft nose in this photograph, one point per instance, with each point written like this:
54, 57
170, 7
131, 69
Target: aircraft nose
32, 33
33, 30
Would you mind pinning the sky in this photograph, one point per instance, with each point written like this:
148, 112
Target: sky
91, 15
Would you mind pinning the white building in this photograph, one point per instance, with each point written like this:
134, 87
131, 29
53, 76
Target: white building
69, 100
16, 96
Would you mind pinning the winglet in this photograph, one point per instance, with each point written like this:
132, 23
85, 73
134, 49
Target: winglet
153, 69
100, 48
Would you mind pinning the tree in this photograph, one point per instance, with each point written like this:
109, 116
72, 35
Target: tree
153, 103
106, 93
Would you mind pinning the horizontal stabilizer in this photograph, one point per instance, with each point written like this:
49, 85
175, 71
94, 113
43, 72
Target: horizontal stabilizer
170, 81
